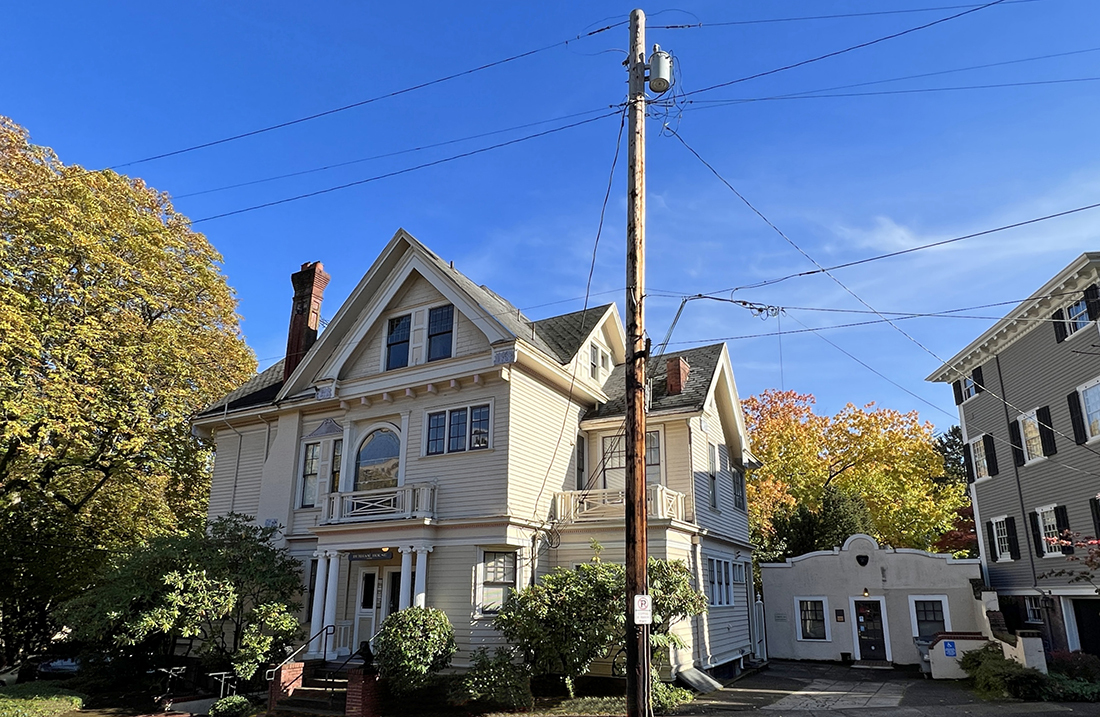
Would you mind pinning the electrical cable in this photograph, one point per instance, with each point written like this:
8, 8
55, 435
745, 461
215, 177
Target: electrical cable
851, 48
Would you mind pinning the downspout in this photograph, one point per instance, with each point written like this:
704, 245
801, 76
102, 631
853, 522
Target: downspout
237, 462
1019, 488
267, 436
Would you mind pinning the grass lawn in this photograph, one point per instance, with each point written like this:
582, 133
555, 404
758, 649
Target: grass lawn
38, 699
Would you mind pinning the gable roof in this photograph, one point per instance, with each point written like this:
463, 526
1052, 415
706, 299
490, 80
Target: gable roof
565, 335
259, 390
704, 362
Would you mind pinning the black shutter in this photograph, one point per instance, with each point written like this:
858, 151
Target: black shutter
1092, 301
1061, 519
1059, 322
1037, 535
990, 454
991, 539
1046, 431
1080, 435
979, 382
1094, 505
968, 462
1013, 541
958, 388
1017, 444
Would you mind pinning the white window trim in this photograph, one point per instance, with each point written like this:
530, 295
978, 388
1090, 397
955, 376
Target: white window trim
1028, 458
798, 618
479, 576
980, 440
385, 325
913, 611
347, 474
973, 387
447, 434
602, 353
454, 330
1084, 413
599, 459
719, 562
1027, 609
1047, 552
712, 478
302, 474
1070, 333
420, 360
855, 623
1005, 556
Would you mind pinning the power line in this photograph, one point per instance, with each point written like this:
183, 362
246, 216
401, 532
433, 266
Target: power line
383, 156
361, 103
398, 172
690, 26
852, 48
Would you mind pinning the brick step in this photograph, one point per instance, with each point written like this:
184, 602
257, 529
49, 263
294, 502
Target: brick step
336, 703
320, 682
292, 711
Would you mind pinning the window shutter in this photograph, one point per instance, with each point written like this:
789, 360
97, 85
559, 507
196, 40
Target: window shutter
1075, 417
979, 381
958, 389
1061, 519
1017, 443
991, 541
1094, 505
1046, 431
1037, 535
1059, 322
1092, 301
418, 336
968, 462
1013, 541
990, 454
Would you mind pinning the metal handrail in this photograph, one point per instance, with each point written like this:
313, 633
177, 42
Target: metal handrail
331, 680
326, 630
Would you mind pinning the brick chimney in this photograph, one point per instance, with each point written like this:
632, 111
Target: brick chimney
309, 285
677, 375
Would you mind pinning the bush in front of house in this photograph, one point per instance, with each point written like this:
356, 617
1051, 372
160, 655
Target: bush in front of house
495, 682
1075, 665
413, 645
995, 674
1067, 689
231, 706
38, 699
666, 697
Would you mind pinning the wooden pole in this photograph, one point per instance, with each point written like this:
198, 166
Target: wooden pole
637, 636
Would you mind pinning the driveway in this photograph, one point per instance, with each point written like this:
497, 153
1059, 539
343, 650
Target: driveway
797, 689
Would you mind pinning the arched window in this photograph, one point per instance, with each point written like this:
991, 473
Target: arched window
377, 460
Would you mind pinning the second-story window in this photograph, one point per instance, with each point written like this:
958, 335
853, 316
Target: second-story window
712, 474
309, 475
337, 461
376, 464
397, 342
1048, 532
614, 460
582, 475
738, 489
440, 332
458, 430
652, 457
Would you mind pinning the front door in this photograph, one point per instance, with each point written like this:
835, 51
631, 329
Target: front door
872, 637
391, 595
1087, 613
365, 606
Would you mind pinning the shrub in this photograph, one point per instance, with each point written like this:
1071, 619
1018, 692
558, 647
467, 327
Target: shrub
38, 699
667, 697
412, 645
1066, 689
496, 682
995, 674
1075, 665
231, 706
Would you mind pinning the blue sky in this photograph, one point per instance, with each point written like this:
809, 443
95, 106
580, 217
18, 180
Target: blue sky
844, 177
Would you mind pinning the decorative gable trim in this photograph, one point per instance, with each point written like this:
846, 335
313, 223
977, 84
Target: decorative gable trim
328, 427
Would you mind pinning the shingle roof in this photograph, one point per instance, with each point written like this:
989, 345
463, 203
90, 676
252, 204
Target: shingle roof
703, 362
565, 334
260, 389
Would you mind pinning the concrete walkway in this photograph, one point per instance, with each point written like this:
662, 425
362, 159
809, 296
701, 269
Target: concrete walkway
798, 689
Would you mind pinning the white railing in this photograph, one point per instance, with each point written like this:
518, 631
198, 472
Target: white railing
407, 501
577, 506
342, 643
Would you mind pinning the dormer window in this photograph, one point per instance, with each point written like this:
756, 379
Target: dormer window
397, 342
599, 362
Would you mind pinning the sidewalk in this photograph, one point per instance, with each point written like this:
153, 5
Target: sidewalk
795, 689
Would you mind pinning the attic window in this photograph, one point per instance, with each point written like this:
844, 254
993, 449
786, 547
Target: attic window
397, 342
440, 332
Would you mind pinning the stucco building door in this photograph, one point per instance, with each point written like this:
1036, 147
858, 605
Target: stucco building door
872, 639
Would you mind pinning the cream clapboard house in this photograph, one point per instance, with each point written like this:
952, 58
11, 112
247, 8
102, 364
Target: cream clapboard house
435, 447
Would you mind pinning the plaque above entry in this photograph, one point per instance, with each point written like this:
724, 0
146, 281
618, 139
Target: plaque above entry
379, 554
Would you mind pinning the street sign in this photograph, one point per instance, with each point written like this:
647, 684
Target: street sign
643, 610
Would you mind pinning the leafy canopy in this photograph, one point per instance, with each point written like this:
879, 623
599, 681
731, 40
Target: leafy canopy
886, 458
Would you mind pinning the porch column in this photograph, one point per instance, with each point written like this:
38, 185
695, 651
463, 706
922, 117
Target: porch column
330, 602
406, 576
419, 591
317, 615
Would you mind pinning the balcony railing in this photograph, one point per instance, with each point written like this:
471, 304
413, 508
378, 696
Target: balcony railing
415, 500
577, 506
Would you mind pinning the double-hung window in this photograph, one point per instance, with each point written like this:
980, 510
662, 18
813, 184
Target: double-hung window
458, 429
1077, 316
309, 475
440, 332
969, 388
337, 458
720, 579
811, 619
1029, 431
1090, 405
1048, 532
1000, 535
613, 456
397, 342
1034, 607
738, 489
499, 578
712, 474
981, 465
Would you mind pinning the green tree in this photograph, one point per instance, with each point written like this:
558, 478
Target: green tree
949, 444
117, 326
842, 514
226, 586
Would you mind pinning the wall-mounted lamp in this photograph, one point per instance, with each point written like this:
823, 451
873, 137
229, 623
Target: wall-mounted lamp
866, 592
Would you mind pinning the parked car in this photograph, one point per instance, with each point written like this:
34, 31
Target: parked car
10, 675
58, 668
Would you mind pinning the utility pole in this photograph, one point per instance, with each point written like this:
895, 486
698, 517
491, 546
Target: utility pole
637, 554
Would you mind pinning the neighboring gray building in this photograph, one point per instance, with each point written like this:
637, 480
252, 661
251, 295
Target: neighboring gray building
868, 603
1028, 392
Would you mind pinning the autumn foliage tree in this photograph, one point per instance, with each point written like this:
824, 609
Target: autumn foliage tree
885, 458
117, 326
